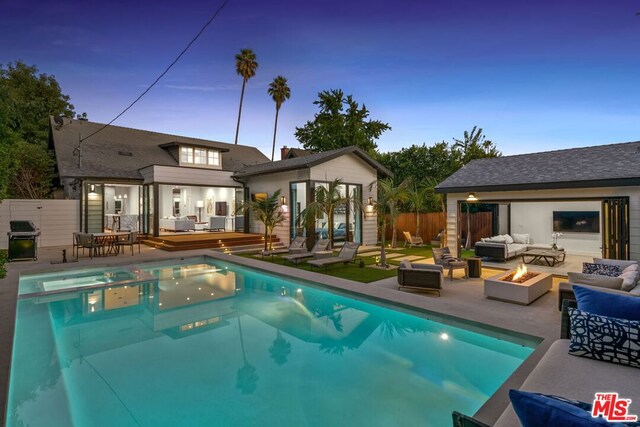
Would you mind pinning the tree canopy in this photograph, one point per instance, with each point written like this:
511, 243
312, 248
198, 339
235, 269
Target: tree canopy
341, 122
27, 99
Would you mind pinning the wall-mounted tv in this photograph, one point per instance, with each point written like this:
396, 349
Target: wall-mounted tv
576, 221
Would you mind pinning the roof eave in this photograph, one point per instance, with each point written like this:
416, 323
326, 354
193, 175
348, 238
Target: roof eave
597, 183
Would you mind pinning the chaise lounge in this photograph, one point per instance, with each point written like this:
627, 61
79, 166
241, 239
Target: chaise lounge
320, 246
346, 255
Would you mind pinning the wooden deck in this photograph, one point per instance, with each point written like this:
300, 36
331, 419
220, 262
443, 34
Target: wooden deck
213, 240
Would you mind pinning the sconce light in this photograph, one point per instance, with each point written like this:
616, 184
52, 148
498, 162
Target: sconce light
369, 209
92, 190
472, 197
283, 200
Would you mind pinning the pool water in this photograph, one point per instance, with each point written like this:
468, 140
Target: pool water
206, 343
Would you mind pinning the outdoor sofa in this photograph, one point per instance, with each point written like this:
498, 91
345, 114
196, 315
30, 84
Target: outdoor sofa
505, 246
625, 284
176, 224
561, 374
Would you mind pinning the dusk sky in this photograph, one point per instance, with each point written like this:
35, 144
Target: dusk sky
536, 75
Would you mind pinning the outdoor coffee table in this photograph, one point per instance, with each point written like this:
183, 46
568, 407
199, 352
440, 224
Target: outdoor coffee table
549, 256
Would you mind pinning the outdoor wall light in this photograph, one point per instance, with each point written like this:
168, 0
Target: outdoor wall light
283, 200
472, 197
92, 190
369, 208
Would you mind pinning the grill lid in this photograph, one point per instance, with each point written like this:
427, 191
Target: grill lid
22, 227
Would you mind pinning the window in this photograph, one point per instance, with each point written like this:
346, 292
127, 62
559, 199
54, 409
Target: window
199, 157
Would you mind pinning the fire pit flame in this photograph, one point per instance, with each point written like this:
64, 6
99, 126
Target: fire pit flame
521, 270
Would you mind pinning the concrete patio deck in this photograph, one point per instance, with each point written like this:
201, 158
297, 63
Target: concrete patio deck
461, 301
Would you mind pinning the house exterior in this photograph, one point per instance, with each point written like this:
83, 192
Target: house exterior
157, 183
591, 195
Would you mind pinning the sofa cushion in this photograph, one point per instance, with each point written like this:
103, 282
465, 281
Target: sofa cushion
508, 239
601, 269
536, 409
605, 338
596, 280
496, 239
607, 304
523, 239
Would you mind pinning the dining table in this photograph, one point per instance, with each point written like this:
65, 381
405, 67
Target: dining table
109, 241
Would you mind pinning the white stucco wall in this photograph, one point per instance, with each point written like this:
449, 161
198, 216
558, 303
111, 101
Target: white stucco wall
634, 212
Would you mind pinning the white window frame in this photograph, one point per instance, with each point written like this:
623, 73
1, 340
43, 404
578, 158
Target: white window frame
206, 158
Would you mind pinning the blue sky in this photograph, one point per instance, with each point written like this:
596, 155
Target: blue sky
535, 75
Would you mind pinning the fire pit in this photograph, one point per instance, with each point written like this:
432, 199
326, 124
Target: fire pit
519, 285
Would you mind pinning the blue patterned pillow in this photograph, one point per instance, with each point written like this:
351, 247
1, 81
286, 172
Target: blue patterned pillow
604, 338
601, 269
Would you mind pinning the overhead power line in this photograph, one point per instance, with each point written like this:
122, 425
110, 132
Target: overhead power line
166, 70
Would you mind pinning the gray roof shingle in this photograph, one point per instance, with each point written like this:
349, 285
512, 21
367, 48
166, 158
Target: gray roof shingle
597, 166
103, 153
309, 161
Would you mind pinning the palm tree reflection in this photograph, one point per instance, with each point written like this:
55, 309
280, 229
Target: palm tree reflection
247, 376
280, 349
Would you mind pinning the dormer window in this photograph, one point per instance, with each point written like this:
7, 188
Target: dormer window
201, 157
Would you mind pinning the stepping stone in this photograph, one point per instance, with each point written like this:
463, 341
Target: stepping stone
412, 257
394, 255
374, 253
425, 261
377, 267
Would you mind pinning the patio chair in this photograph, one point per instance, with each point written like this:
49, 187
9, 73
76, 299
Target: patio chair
412, 240
443, 257
320, 246
346, 255
86, 241
420, 276
130, 239
297, 245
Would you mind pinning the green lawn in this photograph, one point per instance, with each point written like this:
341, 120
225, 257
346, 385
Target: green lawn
353, 271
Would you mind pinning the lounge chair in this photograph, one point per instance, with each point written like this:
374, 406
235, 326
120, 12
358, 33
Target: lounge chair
296, 246
346, 255
443, 257
420, 276
412, 240
320, 246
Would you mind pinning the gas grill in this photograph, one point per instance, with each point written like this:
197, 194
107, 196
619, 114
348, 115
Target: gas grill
23, 241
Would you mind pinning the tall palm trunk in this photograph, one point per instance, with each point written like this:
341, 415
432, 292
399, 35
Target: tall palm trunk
275, 129
417, 222
468, 242
244, 82
393, 234
330, 228
266, 237
383, 254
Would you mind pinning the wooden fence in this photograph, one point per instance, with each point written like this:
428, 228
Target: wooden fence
430, 225
481, 226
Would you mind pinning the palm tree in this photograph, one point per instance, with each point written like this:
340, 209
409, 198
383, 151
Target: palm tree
280, 92
327, 200
417, 198
387, 209
268, 212
475, 145
246, 67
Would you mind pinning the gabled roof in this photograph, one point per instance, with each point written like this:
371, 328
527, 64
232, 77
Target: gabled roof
309, 161
585, 167
119, 152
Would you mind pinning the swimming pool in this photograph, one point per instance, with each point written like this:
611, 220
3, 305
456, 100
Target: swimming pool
204, 342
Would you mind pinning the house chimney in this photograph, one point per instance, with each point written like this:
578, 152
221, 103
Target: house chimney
284, 152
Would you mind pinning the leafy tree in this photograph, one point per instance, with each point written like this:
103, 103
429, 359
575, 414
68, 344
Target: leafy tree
326, 201
474, 145
31, 171
420, 162
246, 66
268, 212
341, 122
387, 209
280, 92
27, 99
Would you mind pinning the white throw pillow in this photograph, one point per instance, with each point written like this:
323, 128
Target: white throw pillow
522, 239
498, 239
508, 239
629, 280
